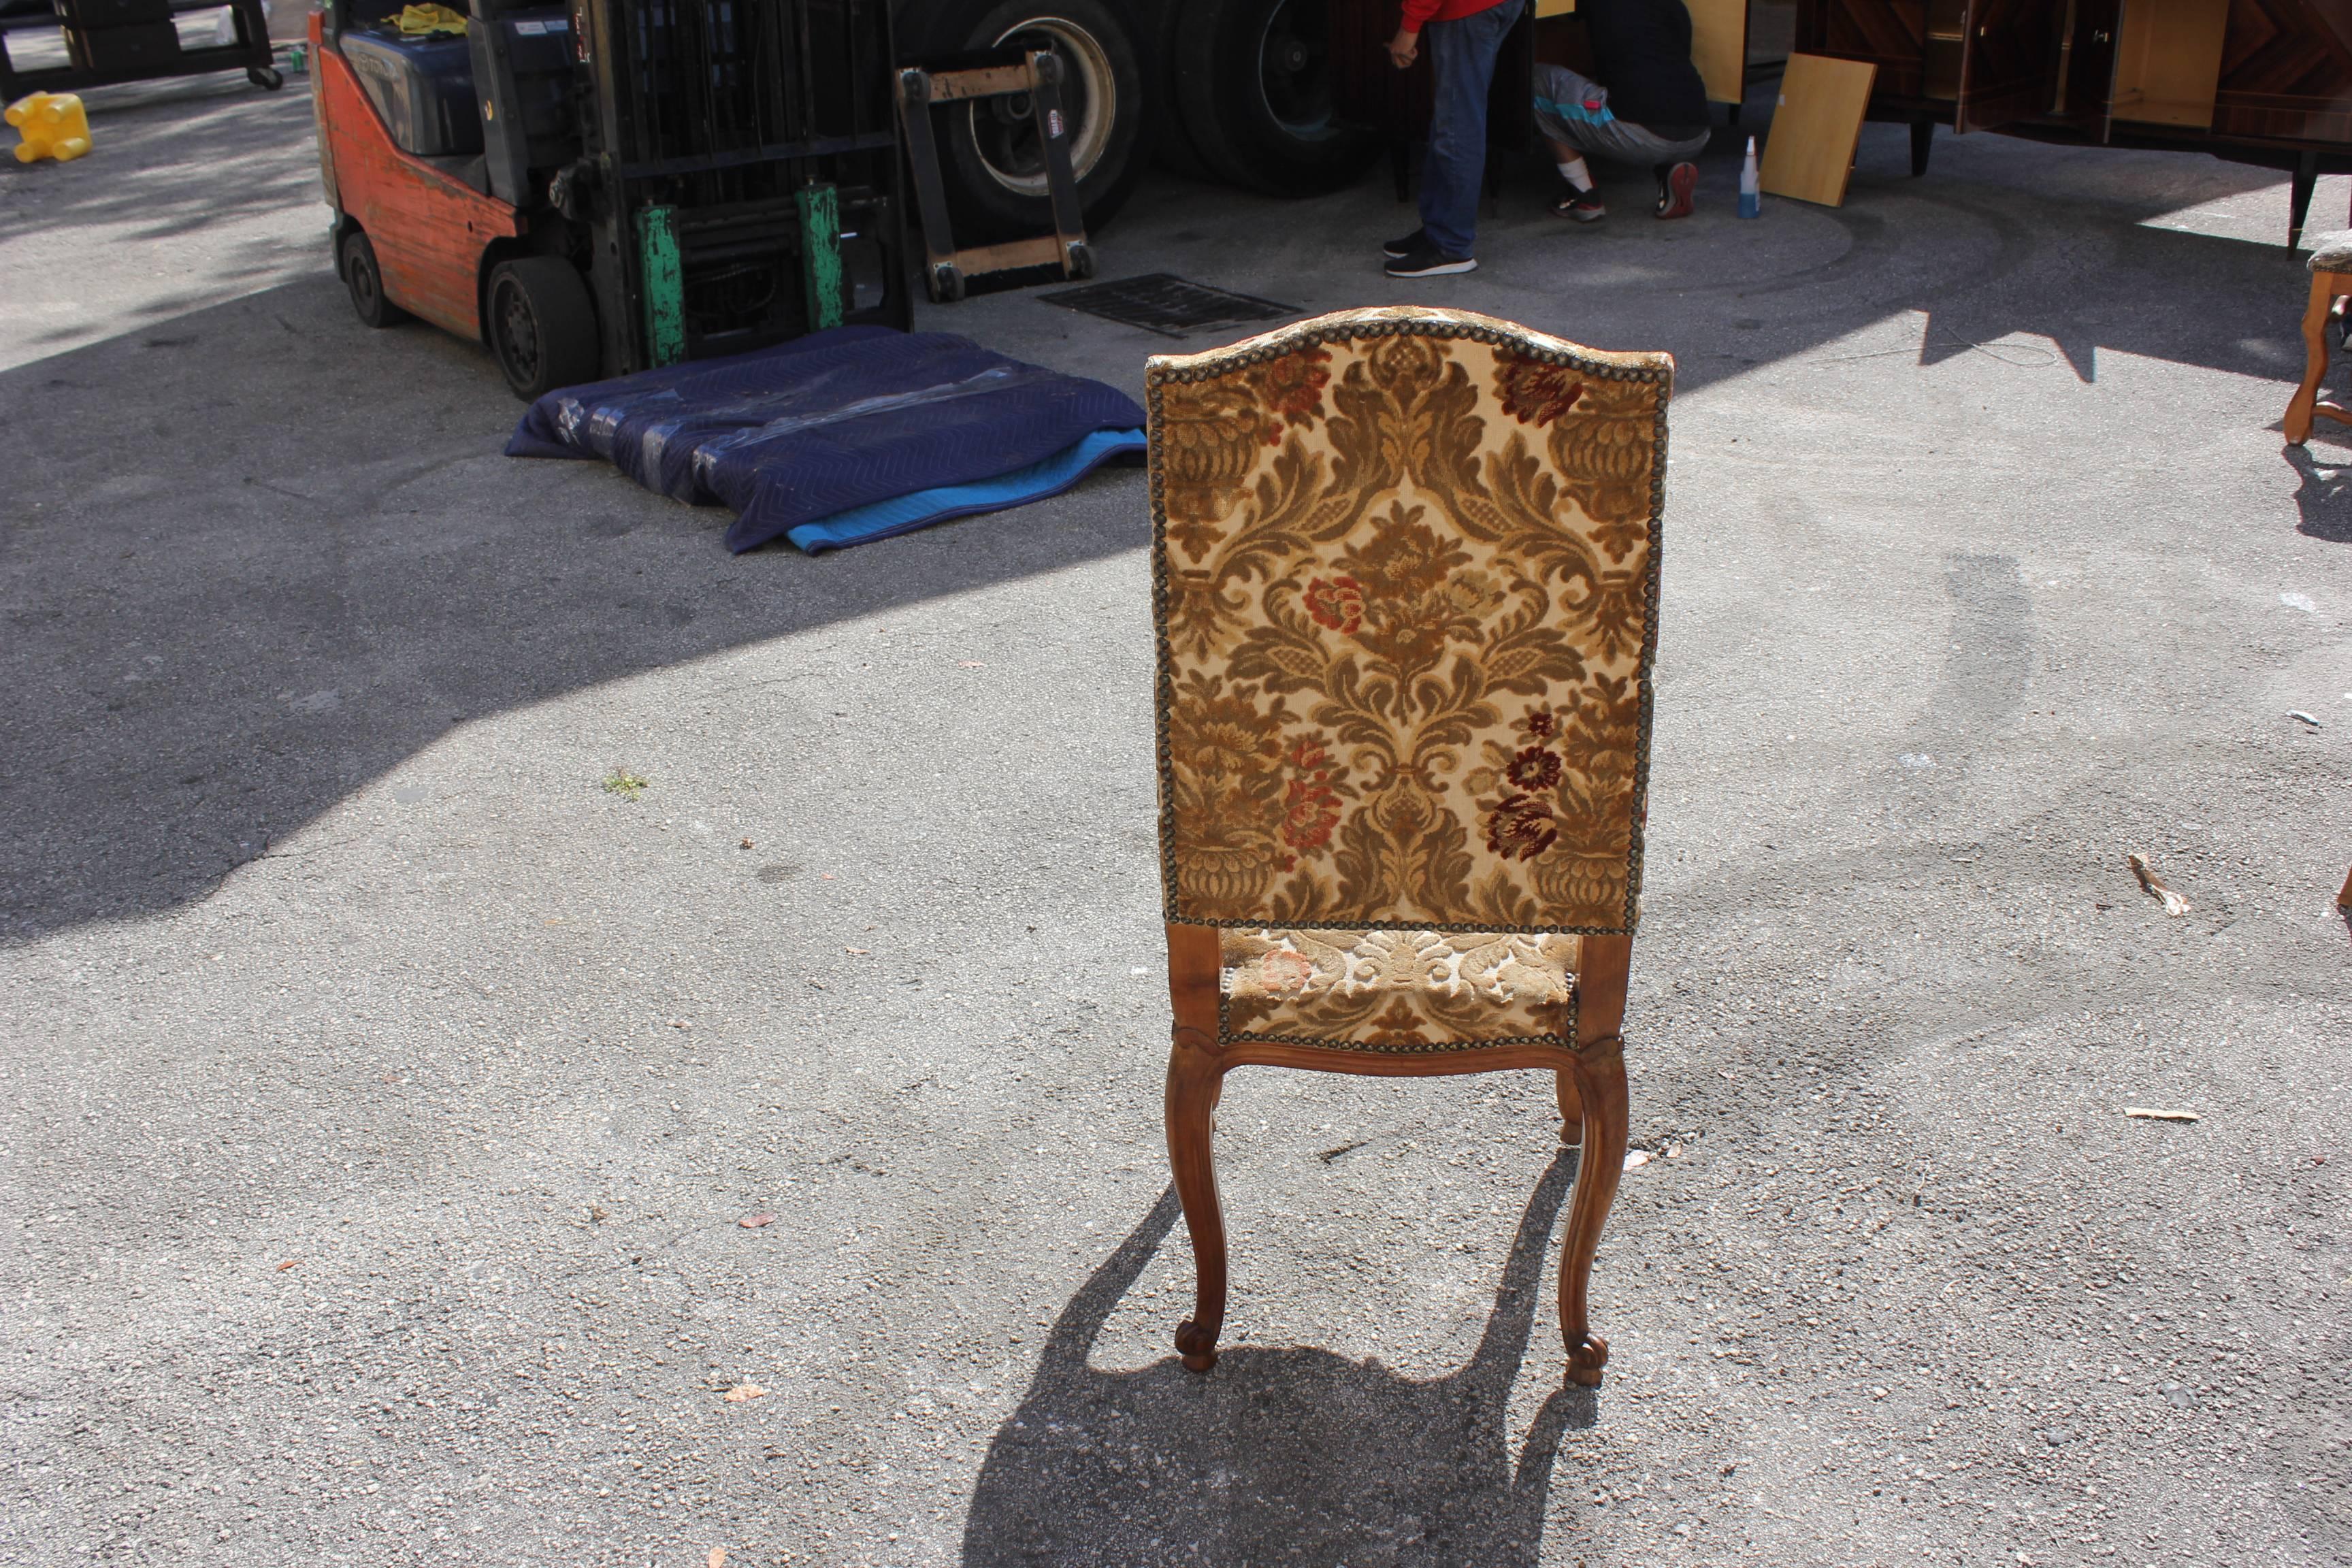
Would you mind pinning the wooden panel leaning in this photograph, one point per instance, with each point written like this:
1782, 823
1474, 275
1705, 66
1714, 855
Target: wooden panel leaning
1816, 127
1405, 587
2331, 279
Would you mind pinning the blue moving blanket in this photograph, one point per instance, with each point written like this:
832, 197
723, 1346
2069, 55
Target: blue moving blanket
844, 436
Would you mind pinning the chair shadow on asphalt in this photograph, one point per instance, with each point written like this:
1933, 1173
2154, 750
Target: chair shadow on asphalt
2325, 495
1280, 1454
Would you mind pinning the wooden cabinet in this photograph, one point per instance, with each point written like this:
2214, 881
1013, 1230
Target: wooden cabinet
2261, 81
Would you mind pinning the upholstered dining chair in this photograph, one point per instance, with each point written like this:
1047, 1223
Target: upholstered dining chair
2331, 279
1405, 586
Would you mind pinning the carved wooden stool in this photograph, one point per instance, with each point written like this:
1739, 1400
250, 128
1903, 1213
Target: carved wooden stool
2331, 279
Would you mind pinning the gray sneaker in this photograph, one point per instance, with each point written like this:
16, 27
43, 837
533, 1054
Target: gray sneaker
1430, 262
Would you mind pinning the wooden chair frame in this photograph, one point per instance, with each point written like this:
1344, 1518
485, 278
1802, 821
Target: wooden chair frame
1576, 1033
1590, 1080
2326, 288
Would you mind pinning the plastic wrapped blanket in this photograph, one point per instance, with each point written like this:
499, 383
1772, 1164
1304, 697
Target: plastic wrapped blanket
843, 436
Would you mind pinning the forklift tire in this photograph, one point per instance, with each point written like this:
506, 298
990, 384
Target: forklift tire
542, 325
268, 77
356, 260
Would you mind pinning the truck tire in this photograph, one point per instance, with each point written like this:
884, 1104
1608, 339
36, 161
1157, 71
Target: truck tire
1253, 84
540, 324
995, 171
355, 259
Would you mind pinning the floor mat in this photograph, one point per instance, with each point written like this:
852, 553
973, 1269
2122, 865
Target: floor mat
1164, 303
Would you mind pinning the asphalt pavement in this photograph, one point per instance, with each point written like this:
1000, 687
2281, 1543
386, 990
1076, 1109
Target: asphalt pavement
387, 1097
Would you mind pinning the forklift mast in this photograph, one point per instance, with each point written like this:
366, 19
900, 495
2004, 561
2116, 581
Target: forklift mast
738, 173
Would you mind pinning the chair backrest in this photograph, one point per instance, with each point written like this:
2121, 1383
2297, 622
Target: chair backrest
1405, 570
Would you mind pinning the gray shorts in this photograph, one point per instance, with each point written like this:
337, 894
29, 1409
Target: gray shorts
1575, 109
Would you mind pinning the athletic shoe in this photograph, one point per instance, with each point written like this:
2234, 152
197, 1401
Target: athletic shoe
1429, 262
1397, 248
1675, 188
1582, 206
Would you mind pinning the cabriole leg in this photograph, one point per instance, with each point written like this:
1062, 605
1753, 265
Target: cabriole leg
1195, 1080
1600, 1071
1571, 1106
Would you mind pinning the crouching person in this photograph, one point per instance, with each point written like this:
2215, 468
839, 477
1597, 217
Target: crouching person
1649, 106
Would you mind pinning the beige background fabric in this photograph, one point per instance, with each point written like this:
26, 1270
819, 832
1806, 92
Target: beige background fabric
1407, 580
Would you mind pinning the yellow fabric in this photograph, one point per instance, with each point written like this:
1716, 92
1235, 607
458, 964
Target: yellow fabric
1406, 567
419, 20
1396, 990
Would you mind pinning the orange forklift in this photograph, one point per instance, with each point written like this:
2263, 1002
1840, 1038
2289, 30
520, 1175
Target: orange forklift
611, 185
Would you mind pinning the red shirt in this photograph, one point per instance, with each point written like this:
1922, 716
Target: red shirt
1419, 12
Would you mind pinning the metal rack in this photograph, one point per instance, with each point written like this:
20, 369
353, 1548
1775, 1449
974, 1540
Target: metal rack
112, 41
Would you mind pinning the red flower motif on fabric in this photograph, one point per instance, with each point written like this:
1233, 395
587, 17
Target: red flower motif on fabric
1533, 769
1520, 826
1337, 603
1535, 393
1282, 971
1541, 723
1309, 812
1291, 388
1311, 807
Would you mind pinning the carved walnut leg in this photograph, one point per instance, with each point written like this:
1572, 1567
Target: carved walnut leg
1572, 1107
1599, 1071
2299, 409
1195, 1081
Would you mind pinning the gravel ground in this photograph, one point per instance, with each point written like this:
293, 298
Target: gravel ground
386, 1097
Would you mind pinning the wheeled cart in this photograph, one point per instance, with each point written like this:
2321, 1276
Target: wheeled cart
598, 189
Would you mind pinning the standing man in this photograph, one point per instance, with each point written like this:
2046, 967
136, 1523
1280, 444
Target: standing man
1464, 37
1649, 106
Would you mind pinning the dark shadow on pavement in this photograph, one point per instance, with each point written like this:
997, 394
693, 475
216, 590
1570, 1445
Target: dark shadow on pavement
2325, 495
1279, 1456
257, 560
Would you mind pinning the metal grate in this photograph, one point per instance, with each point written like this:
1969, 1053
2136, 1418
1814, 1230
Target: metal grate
1164, 303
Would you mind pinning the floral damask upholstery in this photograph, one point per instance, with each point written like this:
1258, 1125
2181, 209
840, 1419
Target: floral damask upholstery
1406, 572
1396, 990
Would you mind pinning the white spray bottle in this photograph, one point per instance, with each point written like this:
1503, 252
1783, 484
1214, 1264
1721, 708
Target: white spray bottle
1751, 198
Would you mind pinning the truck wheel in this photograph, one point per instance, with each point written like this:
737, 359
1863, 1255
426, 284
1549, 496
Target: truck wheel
996, 170
541, 325
355, 259
1254, 83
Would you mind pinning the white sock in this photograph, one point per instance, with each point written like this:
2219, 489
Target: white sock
1576, 174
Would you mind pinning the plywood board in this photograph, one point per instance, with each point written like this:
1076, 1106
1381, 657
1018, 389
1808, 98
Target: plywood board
2168, 61
1719, 47
1816, 127
1554, 8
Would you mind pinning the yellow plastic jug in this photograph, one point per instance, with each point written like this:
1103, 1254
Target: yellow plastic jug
52, 125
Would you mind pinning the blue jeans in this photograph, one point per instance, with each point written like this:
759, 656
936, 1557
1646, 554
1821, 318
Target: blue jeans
1462, 57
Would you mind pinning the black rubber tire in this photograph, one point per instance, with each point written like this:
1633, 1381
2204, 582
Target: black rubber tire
268, 77
355, 259
1254, 86
1097, 47
1172, 144
540, 324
